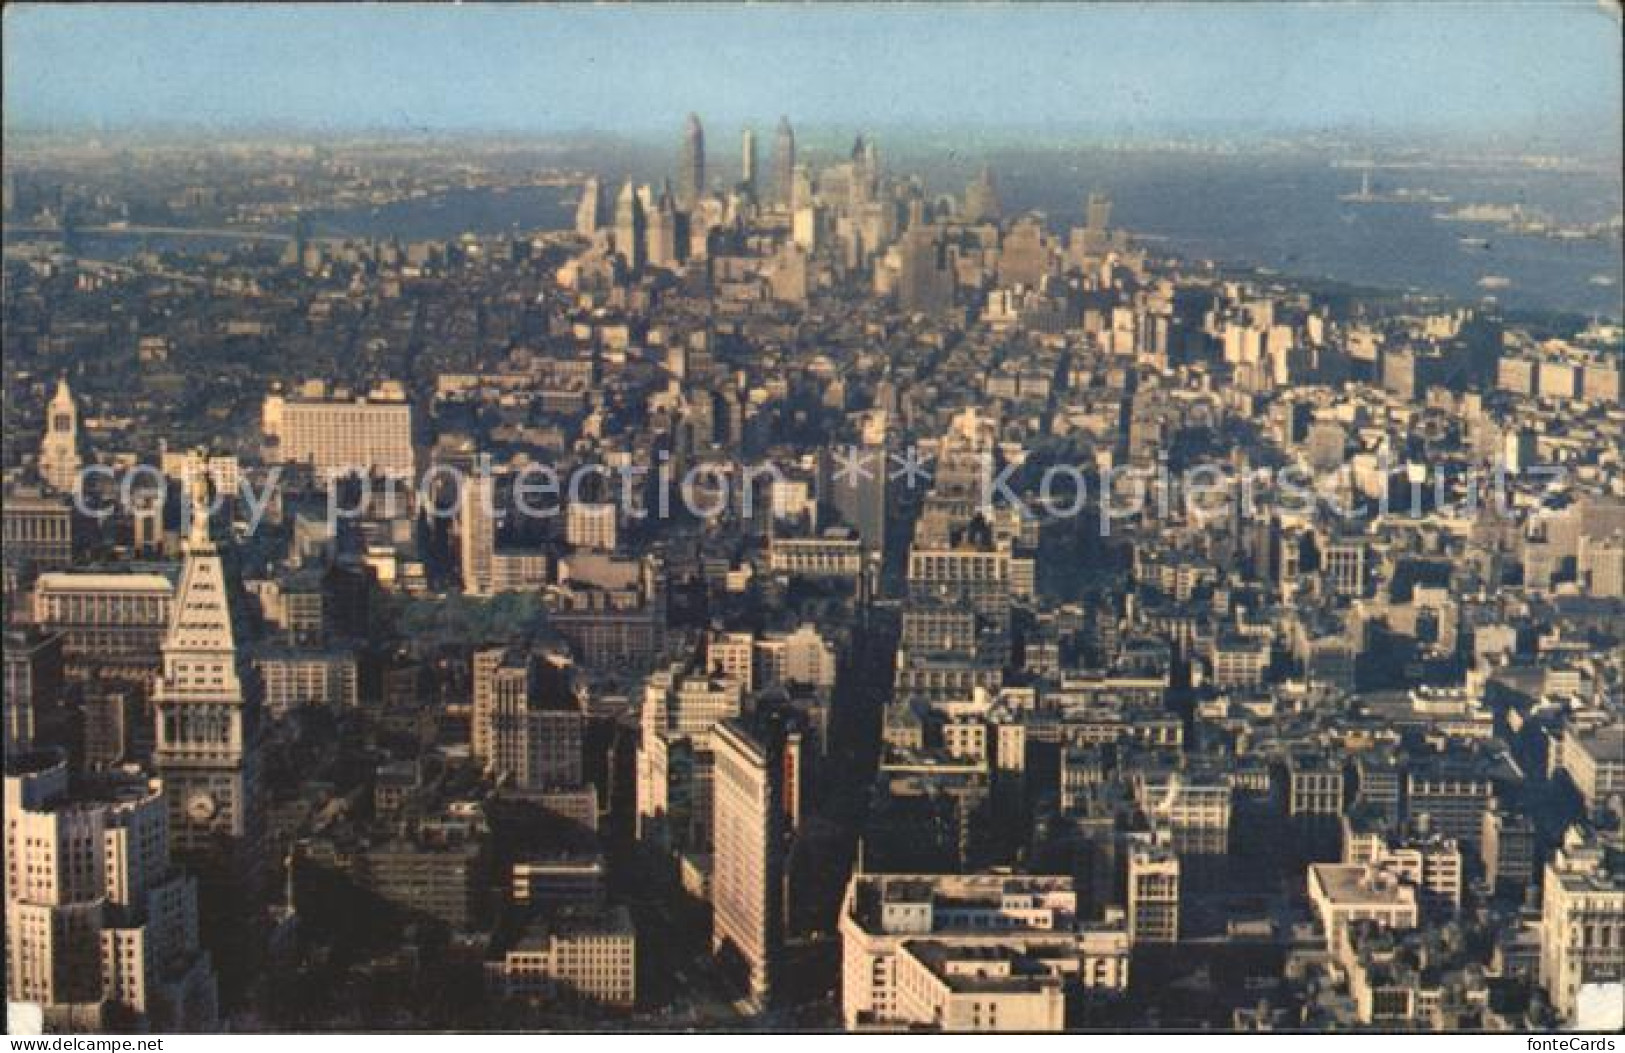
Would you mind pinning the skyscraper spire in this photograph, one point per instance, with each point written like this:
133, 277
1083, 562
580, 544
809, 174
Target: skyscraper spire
198, 538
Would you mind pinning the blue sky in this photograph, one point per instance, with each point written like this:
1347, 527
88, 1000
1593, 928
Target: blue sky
1374, 67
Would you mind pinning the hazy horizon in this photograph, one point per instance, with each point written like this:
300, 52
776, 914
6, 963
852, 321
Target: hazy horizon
1479, 73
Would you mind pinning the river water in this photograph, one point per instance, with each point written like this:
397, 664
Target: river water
1284, 213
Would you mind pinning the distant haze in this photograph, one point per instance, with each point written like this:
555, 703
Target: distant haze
1467, 69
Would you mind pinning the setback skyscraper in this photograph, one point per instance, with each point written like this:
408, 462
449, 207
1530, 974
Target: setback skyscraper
101, 927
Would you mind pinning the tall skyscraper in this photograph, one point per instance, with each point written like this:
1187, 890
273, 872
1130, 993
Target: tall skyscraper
477, 532
101, 928
691, 177
589, 210
502, 696
1098, 213
748, 861
860, 498
1024, 257
527, 725
784, 165
59, 460
629, 224
207, 705
925, 280
865, 170
662, 231
747, 160
982, 198
485, 664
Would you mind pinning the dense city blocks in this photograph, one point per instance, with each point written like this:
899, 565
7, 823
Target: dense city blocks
763, 574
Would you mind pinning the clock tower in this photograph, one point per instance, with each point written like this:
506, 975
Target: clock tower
207, 705
59, 459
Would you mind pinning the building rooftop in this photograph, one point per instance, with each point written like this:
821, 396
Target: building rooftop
985, 969
1354, 884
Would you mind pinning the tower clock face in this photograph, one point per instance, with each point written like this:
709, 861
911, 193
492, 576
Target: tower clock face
201, 806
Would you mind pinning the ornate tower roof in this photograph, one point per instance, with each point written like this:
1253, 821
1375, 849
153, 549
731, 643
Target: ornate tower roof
201, 624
